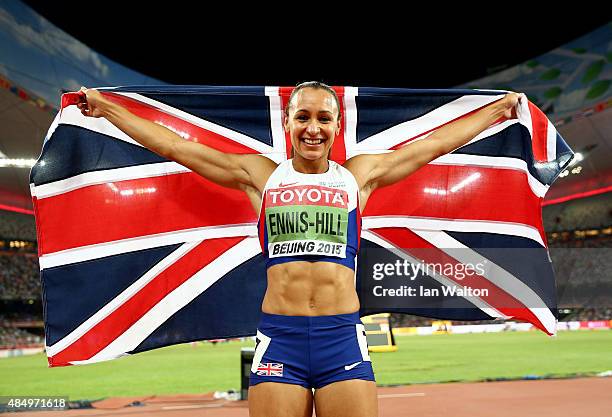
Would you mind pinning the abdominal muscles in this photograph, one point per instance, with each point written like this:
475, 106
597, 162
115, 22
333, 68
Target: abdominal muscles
310, 289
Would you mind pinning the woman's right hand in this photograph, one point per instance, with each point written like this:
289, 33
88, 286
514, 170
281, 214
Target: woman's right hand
94, 103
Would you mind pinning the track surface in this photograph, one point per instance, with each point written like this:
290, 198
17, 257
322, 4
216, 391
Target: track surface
544, 398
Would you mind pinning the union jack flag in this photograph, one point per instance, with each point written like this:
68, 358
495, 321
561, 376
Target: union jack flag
138, 252
270, 369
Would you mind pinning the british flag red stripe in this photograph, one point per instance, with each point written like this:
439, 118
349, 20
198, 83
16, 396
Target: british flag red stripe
502, 301
540, 126
482, 203
102, 202
155, 191
154, 290
189, 131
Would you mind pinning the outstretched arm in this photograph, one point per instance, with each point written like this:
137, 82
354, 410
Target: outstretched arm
245, 172
374, 171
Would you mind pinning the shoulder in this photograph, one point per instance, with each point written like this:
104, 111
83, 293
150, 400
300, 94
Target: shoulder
341, 169
259, 168
361, 166
258, 163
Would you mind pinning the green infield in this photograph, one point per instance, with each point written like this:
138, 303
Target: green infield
206, 367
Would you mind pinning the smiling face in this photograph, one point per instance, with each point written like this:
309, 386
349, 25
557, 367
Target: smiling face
312, 122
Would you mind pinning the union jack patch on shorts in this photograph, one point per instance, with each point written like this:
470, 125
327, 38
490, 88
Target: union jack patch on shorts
270, 369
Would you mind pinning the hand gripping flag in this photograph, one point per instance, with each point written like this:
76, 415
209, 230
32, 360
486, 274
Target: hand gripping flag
138, 252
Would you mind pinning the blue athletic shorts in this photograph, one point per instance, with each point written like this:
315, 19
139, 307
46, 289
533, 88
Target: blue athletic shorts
310, 351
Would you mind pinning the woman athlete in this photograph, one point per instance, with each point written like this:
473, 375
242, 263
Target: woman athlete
309, 335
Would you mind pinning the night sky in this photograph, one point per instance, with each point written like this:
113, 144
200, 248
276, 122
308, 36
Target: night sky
194, 45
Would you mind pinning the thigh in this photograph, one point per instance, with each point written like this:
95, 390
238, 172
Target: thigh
349, 398
272, 399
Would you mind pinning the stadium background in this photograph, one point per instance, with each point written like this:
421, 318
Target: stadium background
569, 78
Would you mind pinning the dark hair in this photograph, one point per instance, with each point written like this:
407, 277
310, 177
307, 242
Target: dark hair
316, 85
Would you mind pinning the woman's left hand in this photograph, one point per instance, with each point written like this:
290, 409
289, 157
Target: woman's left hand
509, 103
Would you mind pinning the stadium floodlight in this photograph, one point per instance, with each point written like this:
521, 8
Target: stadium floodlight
17, 163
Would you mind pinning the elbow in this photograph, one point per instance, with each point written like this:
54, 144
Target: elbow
443, 148
446, 144
169, 150
444, 151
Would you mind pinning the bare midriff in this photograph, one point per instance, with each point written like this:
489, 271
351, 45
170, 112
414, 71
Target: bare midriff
310, 289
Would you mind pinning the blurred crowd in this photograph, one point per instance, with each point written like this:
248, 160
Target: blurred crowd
583, 261
584, 213
17, 226
19, 276
7, 319
11, 337
589, 314
583, 272
407, 320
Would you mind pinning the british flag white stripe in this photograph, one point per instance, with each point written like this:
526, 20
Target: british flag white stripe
492, 130
276, 125
179, 298
477, 301
494, 273
432, 120
107, 176
72, 116
453, 225
488, 132
551, 142
123, 297
353, 148
524, 116
102, 250
350, 121
205, 124
53, 126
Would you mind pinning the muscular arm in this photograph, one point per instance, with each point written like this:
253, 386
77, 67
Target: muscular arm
374, 171
244, 172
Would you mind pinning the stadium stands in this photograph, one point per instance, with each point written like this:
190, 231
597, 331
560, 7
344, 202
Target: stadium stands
589, 314
11, 337
17, 226
583, 213
19, 277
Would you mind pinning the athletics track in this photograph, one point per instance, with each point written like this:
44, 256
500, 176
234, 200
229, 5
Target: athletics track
580, 397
